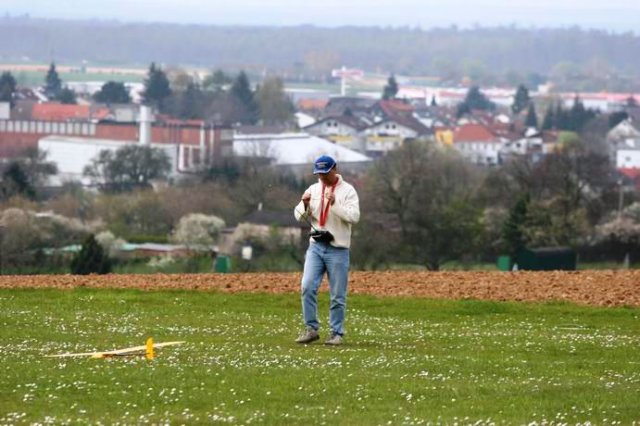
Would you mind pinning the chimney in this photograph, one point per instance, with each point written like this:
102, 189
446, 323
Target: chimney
145, 119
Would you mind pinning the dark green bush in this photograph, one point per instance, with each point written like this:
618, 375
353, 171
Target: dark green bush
91, 259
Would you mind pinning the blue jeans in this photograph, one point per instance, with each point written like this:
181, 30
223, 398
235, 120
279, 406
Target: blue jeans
321, 258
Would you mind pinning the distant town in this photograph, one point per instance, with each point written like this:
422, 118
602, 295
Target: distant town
486, 125
572, 160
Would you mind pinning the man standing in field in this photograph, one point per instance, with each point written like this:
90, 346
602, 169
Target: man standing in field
331, 206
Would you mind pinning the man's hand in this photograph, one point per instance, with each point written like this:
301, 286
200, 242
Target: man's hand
331, 198
306, 197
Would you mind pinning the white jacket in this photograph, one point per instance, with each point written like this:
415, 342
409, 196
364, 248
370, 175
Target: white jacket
342, 214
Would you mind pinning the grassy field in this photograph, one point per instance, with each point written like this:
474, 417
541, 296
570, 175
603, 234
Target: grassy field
406, 361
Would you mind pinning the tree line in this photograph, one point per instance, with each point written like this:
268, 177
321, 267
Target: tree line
422, 204
220, 97
573, 58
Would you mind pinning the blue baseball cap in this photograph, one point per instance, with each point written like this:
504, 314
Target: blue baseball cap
323, 165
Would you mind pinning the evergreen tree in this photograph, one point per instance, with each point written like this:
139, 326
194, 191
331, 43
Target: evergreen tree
562, 117
156, 88
91, 259
7, 87
241, 90
391, 89
521, 100
549, 121
532, 118
617, 118
433, 101
475, 99
462, 109
513, 229
67, 96
53, 83
579, 115
113, 93
190, 103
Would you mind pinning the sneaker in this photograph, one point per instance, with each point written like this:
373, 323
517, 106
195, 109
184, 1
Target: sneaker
308, 336
334, 340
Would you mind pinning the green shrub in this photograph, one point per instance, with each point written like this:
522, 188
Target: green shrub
91, 259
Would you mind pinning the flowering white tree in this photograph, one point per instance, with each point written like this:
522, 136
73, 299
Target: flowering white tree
24, 231
110, 243
622, 229
197, 230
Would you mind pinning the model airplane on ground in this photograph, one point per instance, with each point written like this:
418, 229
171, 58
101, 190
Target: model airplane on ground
148, 351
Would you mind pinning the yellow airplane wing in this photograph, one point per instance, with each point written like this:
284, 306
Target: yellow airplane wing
148, 350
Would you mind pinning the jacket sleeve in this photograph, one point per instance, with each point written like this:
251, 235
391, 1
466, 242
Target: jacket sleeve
349, 209
299, 211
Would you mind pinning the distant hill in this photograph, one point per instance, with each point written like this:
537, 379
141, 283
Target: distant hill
569, 56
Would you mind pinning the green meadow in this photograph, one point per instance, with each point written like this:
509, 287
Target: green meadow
405, 361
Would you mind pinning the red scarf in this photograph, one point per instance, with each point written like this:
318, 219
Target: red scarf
324, 211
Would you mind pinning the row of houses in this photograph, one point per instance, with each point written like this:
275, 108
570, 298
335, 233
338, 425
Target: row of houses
72, 135
354, 130
375, 127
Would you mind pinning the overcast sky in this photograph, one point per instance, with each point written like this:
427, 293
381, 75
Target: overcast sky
614, 15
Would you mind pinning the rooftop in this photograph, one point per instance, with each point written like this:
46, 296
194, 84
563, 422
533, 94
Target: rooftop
293, 148
64, 112
474, 133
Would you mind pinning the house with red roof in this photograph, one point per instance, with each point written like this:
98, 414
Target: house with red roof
628, 156
624, 144
631, 175
312, 105
478, 144
392, 107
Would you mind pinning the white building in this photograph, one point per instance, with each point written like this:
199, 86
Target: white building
628, 155
389, 134
624, 144
73, 154
297, 151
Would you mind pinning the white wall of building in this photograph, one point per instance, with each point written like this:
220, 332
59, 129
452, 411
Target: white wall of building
628, 159
5, 110
72, 155
485, 153
331, 128
390, 128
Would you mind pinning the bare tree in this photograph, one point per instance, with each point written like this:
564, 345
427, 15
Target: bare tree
430, 193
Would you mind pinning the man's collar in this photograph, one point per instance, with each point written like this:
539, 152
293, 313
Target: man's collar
338, 176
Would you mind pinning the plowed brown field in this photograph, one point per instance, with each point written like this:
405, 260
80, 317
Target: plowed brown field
599, 288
